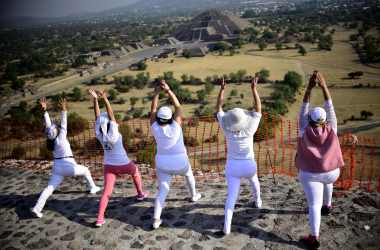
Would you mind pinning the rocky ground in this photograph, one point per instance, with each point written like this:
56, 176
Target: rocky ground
71, 211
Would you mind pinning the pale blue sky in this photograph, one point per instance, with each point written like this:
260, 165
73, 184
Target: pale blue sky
56, 8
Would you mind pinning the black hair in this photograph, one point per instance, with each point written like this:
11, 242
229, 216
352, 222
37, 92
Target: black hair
108, 127
314, 123
50, 144
161, 121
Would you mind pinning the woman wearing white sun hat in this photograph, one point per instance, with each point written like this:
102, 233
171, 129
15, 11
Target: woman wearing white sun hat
239, 127
319, 156
171, 157
64, 162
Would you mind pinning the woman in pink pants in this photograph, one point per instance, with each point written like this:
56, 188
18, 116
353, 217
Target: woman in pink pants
116, 161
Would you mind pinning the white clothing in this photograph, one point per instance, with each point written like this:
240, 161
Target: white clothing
171, 159
169, 138
235, 170
114, 152
330, 117
164, 178
173, 164
318, 188
61, 144
240, 143
61, 169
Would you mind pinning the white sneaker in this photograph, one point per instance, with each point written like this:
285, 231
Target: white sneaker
36, 213
196, 197
157, 224
94, 190
99, 223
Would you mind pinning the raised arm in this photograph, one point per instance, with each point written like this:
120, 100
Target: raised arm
322, 83
43, 104
309, 88
255, 94
219, 102
63, 128
329, 107
94, 96
304, 111
103, 94
154, 105
177, 105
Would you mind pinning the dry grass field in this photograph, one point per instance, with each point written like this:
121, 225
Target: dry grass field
218, 65
334, 64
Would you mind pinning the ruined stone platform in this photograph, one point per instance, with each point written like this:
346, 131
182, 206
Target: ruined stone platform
70, 213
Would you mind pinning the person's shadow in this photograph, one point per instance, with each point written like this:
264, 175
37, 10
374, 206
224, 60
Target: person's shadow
83, 210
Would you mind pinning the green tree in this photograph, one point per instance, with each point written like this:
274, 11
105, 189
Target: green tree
133, 100
201, 95
112, 94
278, 45
240, 74
17, 84
293, 80
209, 87
263, 74
302, 50
262, 45
233, 92
76, 94
325, 42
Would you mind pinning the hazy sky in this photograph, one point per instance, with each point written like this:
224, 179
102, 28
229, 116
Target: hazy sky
56, 8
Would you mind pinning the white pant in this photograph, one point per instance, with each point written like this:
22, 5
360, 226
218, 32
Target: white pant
318, 188
61, 169
167, 166
235, 170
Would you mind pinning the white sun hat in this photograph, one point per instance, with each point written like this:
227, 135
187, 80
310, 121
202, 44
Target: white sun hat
318, 115
165, 113
236, 119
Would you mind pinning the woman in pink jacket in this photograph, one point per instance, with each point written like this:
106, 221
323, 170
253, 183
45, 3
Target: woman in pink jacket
319, 157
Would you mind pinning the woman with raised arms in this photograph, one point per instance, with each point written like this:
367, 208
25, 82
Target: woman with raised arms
64, 163
171, 157
239, 126
116, 161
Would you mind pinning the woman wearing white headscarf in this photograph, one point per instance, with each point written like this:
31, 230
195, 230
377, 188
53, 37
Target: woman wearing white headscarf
239, 127
319, 156
64, 162
171, 157
116, 161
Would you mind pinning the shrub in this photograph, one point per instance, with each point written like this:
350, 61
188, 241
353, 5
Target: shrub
18, 152
76, 124
146, 155
193, 122
233, 92
263, 74
127, 134
191, 141
211, 139
45, 153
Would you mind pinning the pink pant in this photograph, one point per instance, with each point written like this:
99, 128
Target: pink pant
110, 173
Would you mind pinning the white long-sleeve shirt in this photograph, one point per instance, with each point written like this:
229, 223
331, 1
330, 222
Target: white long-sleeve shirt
330, 116
114, 152
61, 144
